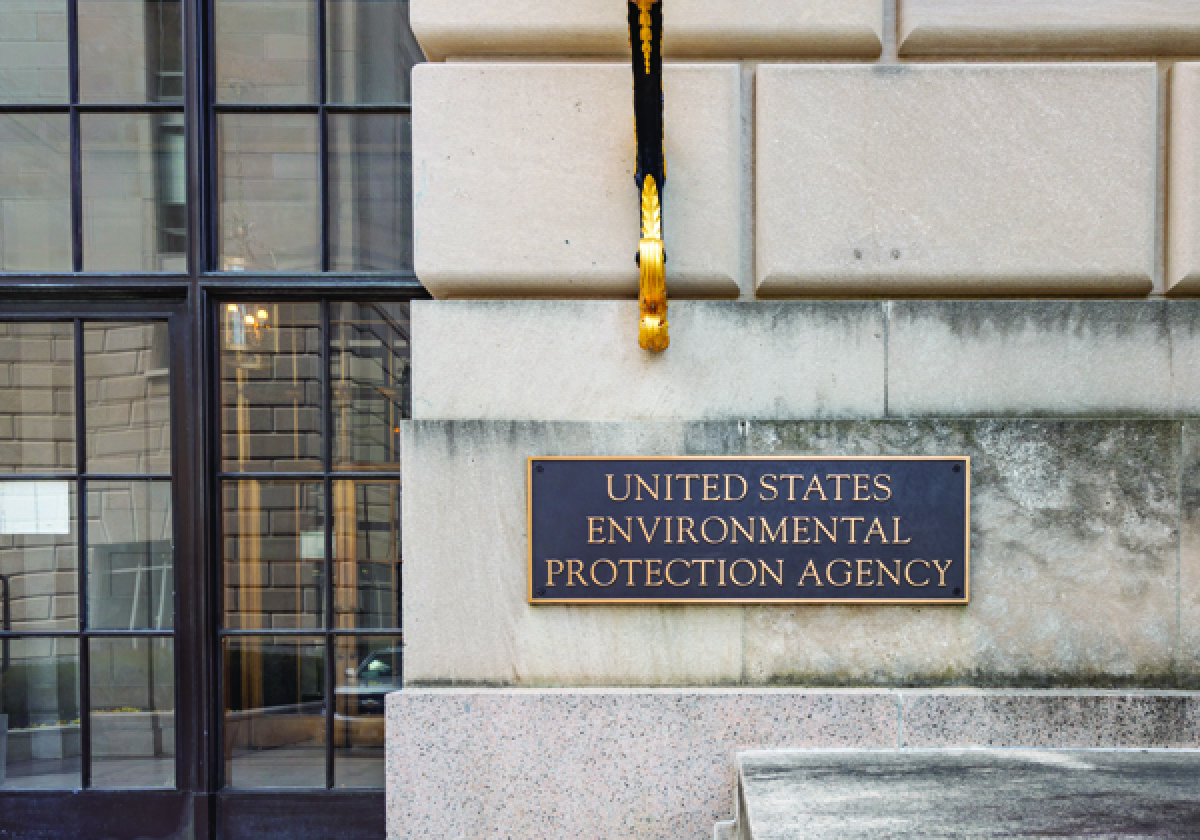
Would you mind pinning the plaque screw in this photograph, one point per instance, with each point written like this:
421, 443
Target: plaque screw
540, 468
957, 467
541, 592
957, 591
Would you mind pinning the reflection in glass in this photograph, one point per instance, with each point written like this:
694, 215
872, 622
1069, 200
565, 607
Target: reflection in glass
371, 50
271, 387
268, 192
134, 195
366, 551
33, 42
38, 573
369, 368
370, 189
131, 583
274, 733
37, 396
35, 192
39, 714
266, 50
130, 51
128, 402
132, 716
274, 550
367, 670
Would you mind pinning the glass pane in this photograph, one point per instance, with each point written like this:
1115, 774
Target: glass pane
133, 712
370, 192
269, 214
371, 50
274, 554
367, 669
39, 578
37, 396
39, 714
35, 192
127, 386
271, 387
369, 368
134, 195
266, 50
366, 551
131, 563
274, 713
33, 43
130, 51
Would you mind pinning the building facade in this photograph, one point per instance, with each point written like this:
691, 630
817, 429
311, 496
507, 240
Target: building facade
291, 291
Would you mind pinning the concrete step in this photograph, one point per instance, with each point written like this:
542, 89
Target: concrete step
981, 793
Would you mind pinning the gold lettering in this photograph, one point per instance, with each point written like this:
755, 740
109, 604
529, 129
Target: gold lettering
766, 570
551, 571
595, 530
687, 529
628, 563
942, 571
737, 526
762, 482
831, 534
612, 565
687, 485
650, 535
624, 498
876, 528
626, 532
864, 570
852, 520
815, 484
667, 524
829, 572
720, 571
884, 486
704, 530
837, 495
766, 535
703, 563
797, 531
862, 484
653, 571
711, 486
575, 570
733, 572
896, 533
791, 480
810, 569
667, 572
908, 573
641, 483
884, 570
745, 487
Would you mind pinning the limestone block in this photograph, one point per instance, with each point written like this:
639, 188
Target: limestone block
523, 180
1189, 556
579, 360
693, 28
1043, 357
956, 179
1183, 184
1111, 27
655, 765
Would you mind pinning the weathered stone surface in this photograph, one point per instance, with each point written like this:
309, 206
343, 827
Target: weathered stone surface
553, 764
1188, 649
1043, 357
956, 179
1074, 576
523, 180
1112, 27
562, 360
788, 795
1082, 719
694, 29
1183, 181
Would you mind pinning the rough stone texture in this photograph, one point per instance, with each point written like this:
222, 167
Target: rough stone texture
1188, 655
1112, 27
1045, 557
656, 765
695, 28
962, 179
789, 795
1081, 719
523, 180
1045, 357
556, 360
1183, 184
